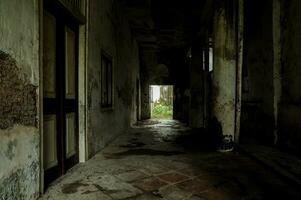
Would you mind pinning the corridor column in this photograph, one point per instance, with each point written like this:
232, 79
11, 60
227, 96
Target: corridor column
148, 62
225, 65
196, 105
145, 100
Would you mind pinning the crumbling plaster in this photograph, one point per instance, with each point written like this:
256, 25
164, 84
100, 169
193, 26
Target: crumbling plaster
19, 139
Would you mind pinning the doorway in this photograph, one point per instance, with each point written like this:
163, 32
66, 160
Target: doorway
161, 101
60, 95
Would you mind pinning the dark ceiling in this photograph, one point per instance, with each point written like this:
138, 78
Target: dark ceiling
165, 24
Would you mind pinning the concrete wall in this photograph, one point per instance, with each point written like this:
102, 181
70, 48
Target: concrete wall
224, 68
290, 106
257, 124
149, 60
196, 105
110, 32
180, 73
271, 74
19, 94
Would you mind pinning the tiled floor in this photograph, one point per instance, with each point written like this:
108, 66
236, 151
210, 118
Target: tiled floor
284, 163
166, 160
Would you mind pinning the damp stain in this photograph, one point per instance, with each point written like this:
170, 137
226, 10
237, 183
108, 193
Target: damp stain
133, 144
105, 191
20, 184
141, 152
156, 193
10, 152
72, 187
89, 192
98, 187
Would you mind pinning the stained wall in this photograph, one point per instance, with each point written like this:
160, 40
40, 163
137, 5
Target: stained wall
110, 32
289, 108
257, 122
19, 92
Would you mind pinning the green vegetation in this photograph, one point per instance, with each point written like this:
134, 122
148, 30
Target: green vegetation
162, 104
161, 111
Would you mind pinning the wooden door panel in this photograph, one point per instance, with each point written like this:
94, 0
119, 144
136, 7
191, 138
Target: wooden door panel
51, 161
49, 92
49, 56
50, 141
70, 99
70, 62
70, 135
49, 63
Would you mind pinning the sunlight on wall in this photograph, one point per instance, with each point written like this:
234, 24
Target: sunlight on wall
155, 96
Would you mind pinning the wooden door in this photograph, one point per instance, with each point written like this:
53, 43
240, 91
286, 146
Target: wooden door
51, 148
70, 99
60, 125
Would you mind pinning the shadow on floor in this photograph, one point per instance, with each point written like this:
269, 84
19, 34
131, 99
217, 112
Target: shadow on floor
169, 161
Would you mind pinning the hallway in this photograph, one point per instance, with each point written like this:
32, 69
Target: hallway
79, 116
162, 160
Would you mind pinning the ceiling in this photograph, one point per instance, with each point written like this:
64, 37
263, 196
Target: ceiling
165, 24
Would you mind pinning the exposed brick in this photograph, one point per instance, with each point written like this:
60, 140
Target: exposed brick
18, 97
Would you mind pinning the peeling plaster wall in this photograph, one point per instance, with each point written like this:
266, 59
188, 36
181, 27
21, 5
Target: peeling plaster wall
290, 106
109, 31
19, 86
18, 97
224, 68
257, 124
